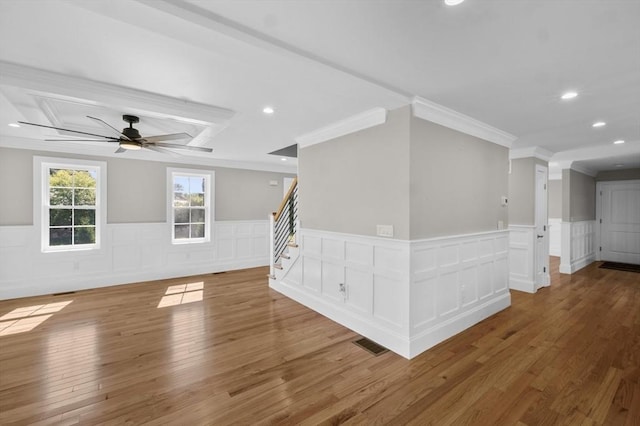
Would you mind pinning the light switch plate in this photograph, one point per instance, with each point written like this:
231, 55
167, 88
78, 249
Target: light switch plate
384, 230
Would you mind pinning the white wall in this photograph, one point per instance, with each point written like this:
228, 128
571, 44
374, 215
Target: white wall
522, 257
555, 237
132, 253
578, 245
406, 295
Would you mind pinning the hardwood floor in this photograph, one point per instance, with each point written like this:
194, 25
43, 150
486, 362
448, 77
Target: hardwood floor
244, 354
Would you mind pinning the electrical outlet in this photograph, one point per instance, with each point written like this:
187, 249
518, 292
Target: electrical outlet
384, 230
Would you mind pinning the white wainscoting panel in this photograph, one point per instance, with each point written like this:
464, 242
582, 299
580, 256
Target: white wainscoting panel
405, 295
456, 282
555, 237
522, 257
578, 245
130, 253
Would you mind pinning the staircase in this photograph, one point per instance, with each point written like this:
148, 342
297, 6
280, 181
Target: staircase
283, 228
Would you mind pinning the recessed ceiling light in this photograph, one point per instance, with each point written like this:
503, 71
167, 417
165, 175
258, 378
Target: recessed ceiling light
618, 142
14, 125
268, 110
569, 95
452, 2
283, 159
599, 124
619, 165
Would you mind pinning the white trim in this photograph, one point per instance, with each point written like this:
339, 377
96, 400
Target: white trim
132, 252
97, 150
598, 224
444, 116
583, 170
364, 120
209, 203
577, 246
532, 151
405, 295
522, 258
40, 194
555, 236
80, 88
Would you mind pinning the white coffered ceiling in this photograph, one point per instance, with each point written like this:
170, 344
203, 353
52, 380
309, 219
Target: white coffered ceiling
505, 63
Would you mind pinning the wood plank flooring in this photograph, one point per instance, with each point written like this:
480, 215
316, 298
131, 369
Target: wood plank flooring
244, 354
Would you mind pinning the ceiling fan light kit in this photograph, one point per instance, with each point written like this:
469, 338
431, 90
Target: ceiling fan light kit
129, 139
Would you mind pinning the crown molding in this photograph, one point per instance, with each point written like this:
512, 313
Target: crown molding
92, 151
444, 116
364, 120
77, 88
531, 151
582, 169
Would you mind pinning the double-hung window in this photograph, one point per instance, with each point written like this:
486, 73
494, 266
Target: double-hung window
72, 205
190, 205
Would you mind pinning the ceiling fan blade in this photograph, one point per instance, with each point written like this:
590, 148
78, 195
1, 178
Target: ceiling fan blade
119, 150
158, 149
173, 146
67, 130
171, 137
110, 127
78, 140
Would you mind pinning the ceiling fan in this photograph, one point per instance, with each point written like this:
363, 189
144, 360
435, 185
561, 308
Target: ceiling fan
129, 138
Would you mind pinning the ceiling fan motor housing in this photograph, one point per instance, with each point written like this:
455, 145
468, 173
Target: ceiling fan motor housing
130, 132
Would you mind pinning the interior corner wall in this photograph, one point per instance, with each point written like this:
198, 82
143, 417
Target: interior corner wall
457, 182
578, 221
578, 196
522, 190
354, 182
555, 199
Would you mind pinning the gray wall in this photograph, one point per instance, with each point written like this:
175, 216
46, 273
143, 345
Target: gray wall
626, 174
522, 191
424, 179
578, 196
16, 191
136, 190
555, 198
357, 181
457, 181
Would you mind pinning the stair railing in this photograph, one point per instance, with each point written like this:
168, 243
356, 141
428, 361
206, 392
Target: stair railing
283, 225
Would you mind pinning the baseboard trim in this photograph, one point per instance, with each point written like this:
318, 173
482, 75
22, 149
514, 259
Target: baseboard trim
442, 331
578, 264
520, 284
16, 289
385, 337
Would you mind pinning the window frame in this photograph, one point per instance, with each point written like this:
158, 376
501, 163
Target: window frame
42, 166
209, 179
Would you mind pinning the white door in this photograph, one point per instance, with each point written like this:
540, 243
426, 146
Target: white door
620, 221
542, 229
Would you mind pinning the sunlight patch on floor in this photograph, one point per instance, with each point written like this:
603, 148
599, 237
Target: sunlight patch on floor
24, 319
181, 294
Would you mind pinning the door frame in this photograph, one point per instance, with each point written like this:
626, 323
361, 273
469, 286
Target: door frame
541, 222
598, 234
